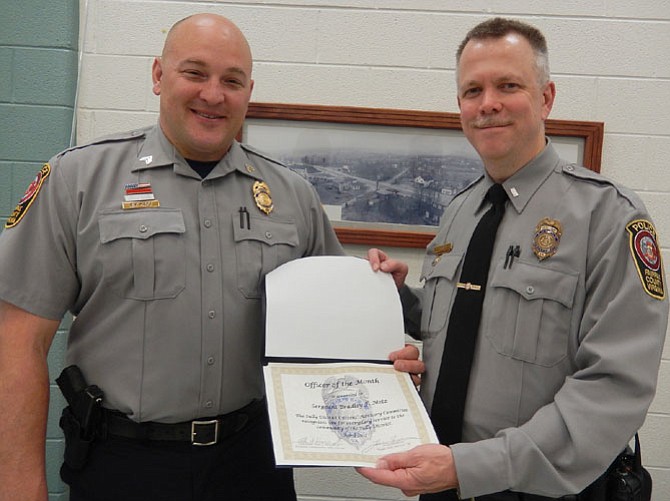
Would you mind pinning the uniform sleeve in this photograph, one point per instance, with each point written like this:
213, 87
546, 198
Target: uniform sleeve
568, 443
37, 254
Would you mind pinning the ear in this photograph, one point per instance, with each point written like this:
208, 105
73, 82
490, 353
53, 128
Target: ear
548, 97
156, 75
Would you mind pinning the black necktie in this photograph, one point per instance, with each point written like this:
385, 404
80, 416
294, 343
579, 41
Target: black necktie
452, 382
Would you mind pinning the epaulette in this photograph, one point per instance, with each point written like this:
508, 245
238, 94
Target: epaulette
584, 174
111, 138
254, 151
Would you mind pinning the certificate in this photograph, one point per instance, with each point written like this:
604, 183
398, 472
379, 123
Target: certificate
343, 414
352, 410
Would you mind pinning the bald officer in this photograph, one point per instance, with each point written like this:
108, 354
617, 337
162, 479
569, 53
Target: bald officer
574, 316
158, 242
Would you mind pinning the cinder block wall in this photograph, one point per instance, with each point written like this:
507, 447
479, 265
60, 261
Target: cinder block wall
609, 59
38, 80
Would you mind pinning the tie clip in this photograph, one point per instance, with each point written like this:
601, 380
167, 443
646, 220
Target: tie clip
468, 286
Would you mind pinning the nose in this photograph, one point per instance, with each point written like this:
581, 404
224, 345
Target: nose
212, 92
490, 102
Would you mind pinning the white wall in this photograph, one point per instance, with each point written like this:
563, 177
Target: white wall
609, 59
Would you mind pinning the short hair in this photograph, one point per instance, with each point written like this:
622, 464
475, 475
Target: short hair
498, 27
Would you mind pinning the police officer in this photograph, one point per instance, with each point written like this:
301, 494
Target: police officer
157, 241
575, 311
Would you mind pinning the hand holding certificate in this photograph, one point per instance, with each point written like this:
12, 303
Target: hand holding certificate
338, 414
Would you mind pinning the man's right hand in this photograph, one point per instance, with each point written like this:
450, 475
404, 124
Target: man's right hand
379, 261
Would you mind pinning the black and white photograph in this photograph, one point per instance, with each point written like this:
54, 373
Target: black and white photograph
392, 176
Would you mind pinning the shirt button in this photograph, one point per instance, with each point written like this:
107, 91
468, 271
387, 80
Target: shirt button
143, 228
210, 267
209, 404
210, 361
207, 223
268, 234
530, 289
211, 314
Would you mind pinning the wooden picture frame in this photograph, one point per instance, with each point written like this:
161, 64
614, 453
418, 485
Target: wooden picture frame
583, 138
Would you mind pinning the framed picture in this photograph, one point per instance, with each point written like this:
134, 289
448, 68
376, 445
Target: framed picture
385, 176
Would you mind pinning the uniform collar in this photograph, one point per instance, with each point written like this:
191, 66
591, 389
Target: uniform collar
526, 181
157, 151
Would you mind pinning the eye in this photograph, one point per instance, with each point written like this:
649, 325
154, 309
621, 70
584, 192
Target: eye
193, 74
509, 86
471, 92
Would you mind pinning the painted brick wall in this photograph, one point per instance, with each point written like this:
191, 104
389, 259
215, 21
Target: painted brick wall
608, 58
38, 58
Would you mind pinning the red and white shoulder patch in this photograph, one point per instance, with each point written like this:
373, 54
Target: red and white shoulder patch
29, 197
647, 256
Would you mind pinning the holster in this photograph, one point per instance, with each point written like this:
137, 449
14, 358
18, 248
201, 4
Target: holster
77, 447
81, 420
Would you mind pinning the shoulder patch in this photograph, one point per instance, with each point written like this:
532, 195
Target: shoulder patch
28, 197
254, 151
647, 257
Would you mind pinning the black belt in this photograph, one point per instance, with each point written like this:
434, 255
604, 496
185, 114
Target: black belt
205, 431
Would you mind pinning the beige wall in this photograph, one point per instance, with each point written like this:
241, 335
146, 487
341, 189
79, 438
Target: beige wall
609, 59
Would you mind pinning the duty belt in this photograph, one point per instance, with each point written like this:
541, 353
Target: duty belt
205, 431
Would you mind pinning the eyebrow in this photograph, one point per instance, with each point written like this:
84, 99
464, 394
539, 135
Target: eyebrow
202, 64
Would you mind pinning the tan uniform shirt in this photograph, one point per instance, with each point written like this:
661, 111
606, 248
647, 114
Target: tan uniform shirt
569, 345
168, 300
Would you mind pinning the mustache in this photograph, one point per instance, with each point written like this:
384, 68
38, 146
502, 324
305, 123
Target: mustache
483, 123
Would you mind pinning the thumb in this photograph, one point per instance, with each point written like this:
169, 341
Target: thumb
393, 461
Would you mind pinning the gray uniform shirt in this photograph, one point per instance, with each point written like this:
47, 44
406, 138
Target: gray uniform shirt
168, 300
569, 346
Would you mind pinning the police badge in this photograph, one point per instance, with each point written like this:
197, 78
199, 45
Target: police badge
262, 196
547, 237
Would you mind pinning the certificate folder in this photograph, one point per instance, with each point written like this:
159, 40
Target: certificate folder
351, 411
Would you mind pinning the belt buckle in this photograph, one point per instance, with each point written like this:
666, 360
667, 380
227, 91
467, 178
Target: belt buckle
194, 431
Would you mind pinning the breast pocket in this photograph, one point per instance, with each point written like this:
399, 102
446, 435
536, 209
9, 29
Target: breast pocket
260, 248
530, 312
439, 275
143, 252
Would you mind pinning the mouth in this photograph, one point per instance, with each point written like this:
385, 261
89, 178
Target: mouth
208, 116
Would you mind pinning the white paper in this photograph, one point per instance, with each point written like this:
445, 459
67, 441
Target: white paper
343, 414
332, 307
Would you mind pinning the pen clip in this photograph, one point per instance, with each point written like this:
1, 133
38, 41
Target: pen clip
512, 252
244, 218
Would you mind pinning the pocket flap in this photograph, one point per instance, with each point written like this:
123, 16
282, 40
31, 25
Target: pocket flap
537, 282
140, 224
444, 267
268, 231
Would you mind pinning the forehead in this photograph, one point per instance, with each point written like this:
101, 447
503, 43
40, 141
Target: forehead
208, 43
511, 54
